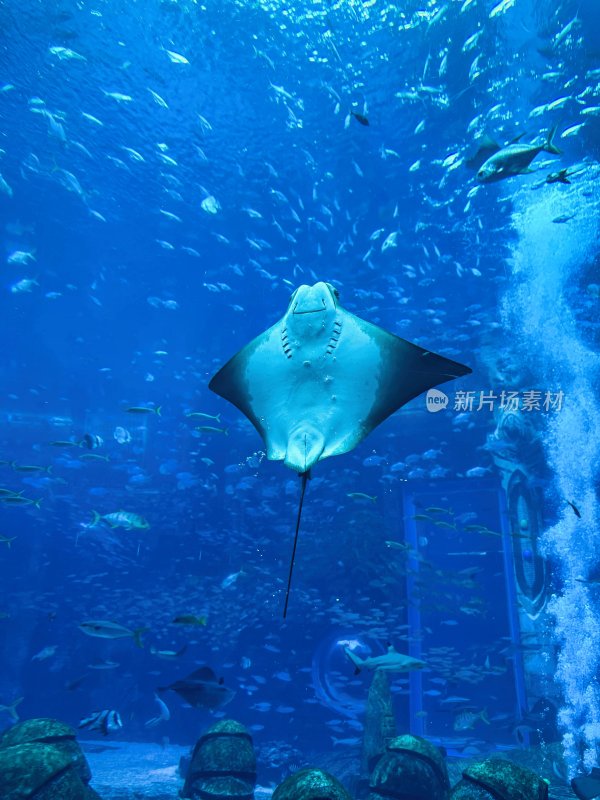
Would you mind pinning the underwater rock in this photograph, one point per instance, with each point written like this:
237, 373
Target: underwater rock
184, 765
39, 771
411, 768
380, 725
224, 788
223, 764
42, 760
49, 731
310, 784
497, 779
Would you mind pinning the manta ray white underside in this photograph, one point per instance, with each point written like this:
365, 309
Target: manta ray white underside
321, 379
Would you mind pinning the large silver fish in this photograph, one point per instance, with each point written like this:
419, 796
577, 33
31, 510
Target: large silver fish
514, 159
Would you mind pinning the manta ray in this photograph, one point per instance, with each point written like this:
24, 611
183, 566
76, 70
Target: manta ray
317, 382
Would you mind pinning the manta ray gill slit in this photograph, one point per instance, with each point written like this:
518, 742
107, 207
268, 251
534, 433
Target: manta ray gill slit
335, 335
287, 348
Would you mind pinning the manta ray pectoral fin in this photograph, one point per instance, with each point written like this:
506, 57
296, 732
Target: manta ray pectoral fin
304, 448
236, 380
407, 371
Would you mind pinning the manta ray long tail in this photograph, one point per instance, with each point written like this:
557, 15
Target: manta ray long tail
305, 476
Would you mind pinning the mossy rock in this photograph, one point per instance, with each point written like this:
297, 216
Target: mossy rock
225, 745
421, 748
411, 767
498, 779
49, 731
310, 784
42, 729
224, 750
466, 790
40, 772
224, 788
67, 786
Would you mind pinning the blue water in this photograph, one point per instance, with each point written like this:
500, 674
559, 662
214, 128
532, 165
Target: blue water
171, 172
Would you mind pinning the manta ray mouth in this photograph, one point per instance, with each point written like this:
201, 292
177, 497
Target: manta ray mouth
310, 310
